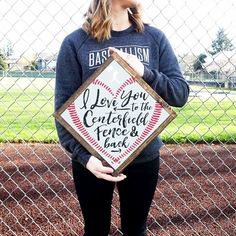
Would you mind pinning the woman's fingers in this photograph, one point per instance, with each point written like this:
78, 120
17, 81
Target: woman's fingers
96, 167
132, 60
123, 55
104, 172
111, 178
104, 169
112, 49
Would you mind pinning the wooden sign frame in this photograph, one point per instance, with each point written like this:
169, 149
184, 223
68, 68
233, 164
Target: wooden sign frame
148, 117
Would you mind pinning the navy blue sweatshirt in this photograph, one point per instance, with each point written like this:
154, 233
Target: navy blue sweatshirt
80, 55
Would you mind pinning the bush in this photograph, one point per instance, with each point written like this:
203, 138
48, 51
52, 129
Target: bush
3, 64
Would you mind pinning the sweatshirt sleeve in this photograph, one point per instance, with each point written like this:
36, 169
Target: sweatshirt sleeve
168, 81
68, 80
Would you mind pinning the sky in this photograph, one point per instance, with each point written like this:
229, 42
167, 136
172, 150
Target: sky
33, 26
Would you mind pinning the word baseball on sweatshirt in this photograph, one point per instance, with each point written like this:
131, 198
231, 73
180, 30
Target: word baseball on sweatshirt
97, 57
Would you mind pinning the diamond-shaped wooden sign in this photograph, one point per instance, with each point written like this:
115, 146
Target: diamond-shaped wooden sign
115, 114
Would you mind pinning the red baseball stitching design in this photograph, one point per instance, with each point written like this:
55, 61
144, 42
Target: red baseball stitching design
154, 119
75, 118
127, 82
98, 82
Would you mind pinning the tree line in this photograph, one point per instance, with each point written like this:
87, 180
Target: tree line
219, 44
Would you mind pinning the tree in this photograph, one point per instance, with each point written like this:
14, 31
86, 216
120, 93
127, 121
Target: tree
8, 49
5, 53
221, 43
33, 65
3, 65
197, 65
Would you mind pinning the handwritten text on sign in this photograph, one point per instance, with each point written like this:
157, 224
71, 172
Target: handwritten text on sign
115, 114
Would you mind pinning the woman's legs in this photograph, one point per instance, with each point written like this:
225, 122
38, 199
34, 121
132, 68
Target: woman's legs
136, 194
95, 197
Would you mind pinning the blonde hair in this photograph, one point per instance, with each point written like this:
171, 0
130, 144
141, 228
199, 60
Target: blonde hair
98, 19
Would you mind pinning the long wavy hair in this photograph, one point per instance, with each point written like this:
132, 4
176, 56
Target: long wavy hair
98, 19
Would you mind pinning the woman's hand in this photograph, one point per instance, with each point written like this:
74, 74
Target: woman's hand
132, 60
96, 167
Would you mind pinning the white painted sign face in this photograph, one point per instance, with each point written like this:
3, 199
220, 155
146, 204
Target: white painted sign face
115, 115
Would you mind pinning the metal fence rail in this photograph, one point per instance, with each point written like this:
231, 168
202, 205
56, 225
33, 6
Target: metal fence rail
196, 194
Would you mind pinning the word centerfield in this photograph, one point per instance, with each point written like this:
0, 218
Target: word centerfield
115, 114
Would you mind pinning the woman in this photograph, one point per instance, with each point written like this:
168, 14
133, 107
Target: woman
116, 25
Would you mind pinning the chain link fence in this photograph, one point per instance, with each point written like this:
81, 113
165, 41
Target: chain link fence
196, 194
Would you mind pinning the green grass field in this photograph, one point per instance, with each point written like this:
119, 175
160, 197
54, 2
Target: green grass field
203, 121
27, 116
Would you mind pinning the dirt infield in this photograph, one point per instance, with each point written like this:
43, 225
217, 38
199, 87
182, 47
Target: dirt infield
196, 194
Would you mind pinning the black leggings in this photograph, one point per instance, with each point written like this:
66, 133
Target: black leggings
135, 193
